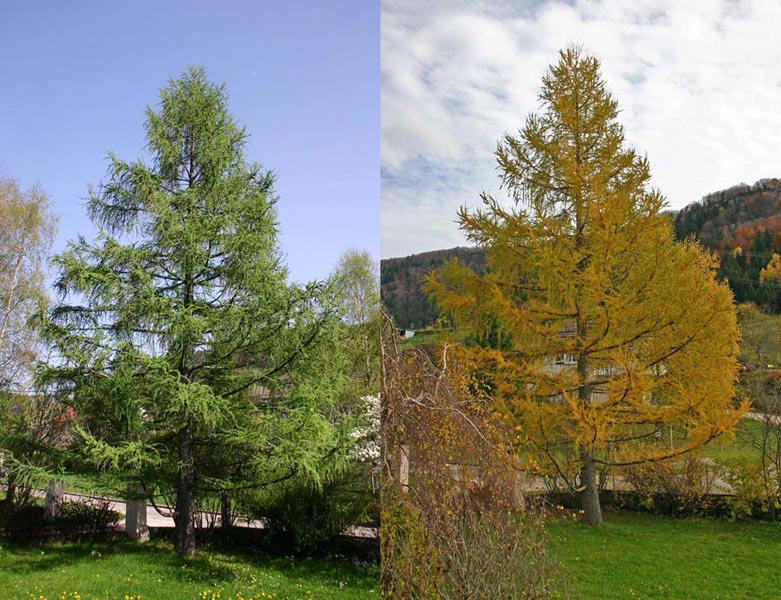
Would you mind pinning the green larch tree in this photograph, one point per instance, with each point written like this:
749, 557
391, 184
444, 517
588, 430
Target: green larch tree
192, 364
592, 327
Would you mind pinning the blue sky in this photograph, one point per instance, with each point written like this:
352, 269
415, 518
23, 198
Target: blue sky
302, 76
698, 85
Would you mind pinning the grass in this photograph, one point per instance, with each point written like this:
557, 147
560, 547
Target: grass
98, 485
428, 336
727, 448
127, 571
637, 555
742, 448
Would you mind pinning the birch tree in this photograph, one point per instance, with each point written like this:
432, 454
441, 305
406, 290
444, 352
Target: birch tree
357, 288
27, 229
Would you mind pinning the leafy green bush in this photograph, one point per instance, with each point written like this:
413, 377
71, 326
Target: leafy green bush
756, 495
91, 517
676, 488
22, 523
302, 518
85, 519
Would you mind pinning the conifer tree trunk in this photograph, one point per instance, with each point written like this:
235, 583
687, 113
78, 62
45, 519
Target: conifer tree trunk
225, 510
589, 497
185, 525
10, 491
184, 513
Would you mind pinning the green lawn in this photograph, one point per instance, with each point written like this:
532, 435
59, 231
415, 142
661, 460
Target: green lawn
725, 451
637, 555
126, 571
727, 448
429, 336
94, 485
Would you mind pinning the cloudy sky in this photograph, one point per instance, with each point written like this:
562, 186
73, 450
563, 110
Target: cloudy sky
698, 83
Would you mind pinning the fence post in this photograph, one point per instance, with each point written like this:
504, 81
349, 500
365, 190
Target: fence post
404, 468
52, 504
135, 513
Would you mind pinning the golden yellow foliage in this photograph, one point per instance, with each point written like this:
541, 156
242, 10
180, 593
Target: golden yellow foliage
773, 269
592, 326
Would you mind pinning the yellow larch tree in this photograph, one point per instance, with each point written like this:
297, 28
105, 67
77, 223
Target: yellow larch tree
772, 271
592, 327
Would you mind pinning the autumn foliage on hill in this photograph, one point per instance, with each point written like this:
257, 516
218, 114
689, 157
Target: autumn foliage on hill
734, 217
742, 225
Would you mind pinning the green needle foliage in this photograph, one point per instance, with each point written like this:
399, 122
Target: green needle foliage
192, 364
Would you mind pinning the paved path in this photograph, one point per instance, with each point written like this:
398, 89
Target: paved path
774, 419
153, 518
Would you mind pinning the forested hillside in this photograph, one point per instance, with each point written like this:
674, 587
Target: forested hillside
743, 226
402, 278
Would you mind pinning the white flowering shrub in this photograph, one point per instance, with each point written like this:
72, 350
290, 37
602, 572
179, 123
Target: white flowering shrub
367, 436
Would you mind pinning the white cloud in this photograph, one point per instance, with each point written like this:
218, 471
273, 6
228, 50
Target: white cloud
699, 85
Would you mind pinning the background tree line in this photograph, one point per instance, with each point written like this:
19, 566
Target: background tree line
741, 224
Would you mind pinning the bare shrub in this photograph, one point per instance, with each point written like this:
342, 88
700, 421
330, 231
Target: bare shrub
452, 524
498, 554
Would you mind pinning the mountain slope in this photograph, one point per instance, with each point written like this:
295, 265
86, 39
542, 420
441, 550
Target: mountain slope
401, 282
741, 224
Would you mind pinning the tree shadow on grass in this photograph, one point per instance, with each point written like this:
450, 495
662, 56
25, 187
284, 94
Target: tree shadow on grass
21, 559
30, 560
295, 569
211, 566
